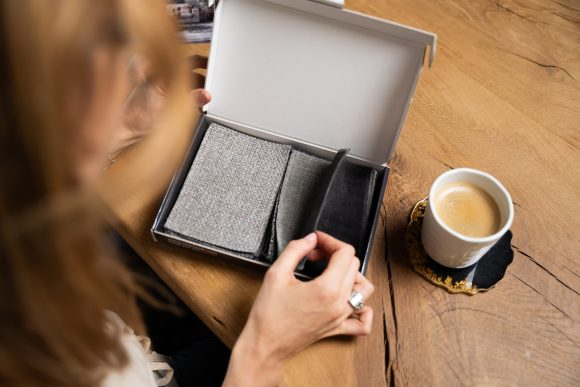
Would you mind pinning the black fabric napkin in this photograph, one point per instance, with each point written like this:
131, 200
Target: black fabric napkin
345, 212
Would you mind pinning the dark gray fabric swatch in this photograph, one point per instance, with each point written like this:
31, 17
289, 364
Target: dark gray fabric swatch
346, 210
345, 213
230, 191
302, 175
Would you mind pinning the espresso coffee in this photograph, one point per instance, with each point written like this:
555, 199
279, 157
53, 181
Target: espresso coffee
467, 209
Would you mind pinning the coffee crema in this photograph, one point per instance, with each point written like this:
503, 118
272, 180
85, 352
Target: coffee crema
468, 209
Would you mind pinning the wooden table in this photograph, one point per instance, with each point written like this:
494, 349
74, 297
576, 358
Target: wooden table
503, 96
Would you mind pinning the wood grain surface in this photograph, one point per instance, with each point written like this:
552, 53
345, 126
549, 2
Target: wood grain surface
503, 96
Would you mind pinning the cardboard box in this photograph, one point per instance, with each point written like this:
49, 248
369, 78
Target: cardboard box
313, 76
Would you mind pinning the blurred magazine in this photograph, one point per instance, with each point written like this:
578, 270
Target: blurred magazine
194, 18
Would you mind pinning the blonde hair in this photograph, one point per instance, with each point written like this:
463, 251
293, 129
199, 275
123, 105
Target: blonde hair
56, 277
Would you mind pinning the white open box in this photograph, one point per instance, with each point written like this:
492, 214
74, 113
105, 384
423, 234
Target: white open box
313, 76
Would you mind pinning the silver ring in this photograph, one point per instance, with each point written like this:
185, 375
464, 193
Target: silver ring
356, 300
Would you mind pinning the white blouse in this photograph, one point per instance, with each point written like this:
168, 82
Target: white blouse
145, 368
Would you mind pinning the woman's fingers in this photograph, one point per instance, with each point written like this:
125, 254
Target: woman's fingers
350, 279
328, 243
359, 326
363, 286
198, 62
197, 80
339, 276
294, 253
362, 325
200, 97
339, 264
317, 255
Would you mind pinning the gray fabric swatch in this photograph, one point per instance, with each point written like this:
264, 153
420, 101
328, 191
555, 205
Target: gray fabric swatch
230, 191
271, 252
302, 175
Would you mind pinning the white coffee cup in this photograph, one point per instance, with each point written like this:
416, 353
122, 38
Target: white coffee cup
447, 246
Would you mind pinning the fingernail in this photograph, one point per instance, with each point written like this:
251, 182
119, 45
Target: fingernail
311, 237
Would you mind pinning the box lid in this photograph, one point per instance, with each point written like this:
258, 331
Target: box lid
315, 73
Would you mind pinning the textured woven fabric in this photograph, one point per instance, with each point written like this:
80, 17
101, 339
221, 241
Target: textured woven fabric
346, 211
303, 173
271, 251
230, 191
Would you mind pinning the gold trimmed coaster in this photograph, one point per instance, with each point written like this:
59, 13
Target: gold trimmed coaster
480, 277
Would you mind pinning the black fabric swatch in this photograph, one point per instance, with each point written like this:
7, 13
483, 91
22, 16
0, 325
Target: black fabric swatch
345, 213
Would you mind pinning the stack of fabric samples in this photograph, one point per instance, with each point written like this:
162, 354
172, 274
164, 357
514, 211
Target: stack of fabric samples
251, 197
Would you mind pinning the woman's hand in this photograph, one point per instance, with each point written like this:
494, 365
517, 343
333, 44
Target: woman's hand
289, 315
146, 101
